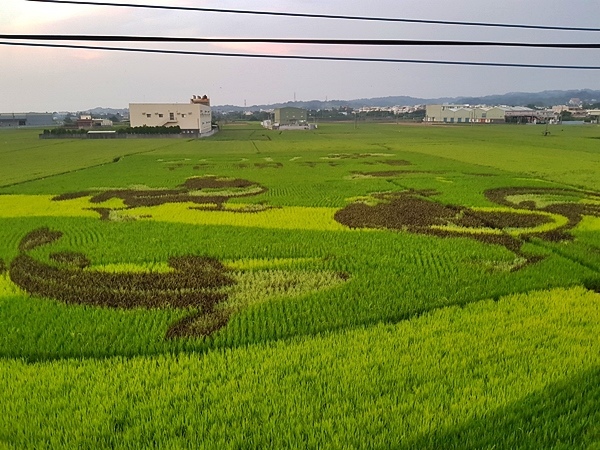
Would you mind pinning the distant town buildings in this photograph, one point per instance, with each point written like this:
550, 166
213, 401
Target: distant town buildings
194, 117
395, 110
86, 121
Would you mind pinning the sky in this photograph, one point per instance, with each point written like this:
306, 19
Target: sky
45, 79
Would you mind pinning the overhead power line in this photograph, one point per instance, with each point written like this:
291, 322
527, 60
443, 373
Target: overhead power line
373, 42
322, 16
301, 57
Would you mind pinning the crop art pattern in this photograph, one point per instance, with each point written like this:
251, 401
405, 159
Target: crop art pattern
194, 283
207, 193
208, 289
545, 213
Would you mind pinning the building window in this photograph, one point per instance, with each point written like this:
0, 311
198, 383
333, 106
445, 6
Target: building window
148, 115
171, 116
183, 115
160, 115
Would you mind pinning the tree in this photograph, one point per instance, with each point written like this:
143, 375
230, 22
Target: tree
565, 116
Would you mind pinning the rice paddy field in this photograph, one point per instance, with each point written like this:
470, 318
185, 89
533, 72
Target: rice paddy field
386, 286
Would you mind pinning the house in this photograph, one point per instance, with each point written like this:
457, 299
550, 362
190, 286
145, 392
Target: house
85, 121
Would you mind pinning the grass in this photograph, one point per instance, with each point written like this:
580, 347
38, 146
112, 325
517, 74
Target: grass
518, 373
329, 337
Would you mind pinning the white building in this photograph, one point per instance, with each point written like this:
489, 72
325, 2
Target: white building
594, 114
194, 117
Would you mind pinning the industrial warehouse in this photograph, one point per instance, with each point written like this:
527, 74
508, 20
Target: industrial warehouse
484, 114
14, 120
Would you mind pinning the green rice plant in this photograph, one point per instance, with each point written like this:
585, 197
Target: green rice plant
520, 372
328, 336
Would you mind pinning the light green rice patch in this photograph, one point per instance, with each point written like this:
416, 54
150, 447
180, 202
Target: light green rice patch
502, 266
369, 199
205, 206
229, 192
557, 222
358, 176
10, 289
365, 199
355, 155
150, 267
44, 206
255, 287
590, 201
544, 200
588, 223
140, 187
247, 207
535, 179
124, 215
264, 263
268, 159
312, 218
175, 161
111, 203
444, 180
295, 158
458, 229
131, 187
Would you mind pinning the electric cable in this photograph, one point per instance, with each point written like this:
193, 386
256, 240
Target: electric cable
362, 42
302, 57
321, 16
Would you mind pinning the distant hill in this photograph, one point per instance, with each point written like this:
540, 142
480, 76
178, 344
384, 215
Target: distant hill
544, 98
